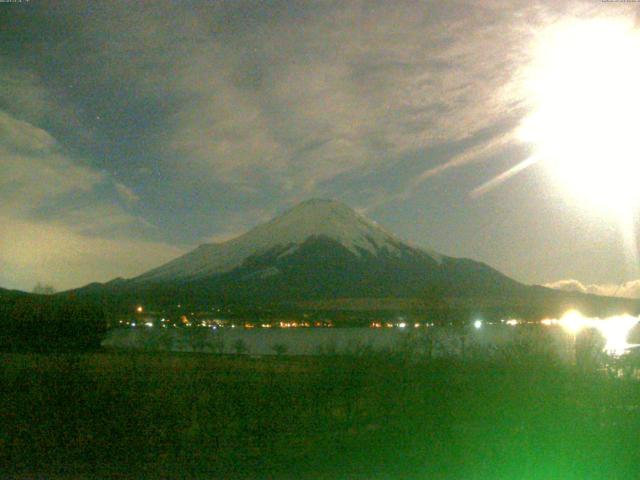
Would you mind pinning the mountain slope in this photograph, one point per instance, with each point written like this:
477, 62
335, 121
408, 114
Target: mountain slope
313, 218
320, 251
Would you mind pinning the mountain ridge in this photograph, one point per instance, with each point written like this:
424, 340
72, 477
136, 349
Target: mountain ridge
321, 252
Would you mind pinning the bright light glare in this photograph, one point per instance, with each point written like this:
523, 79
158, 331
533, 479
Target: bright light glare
477, 324
585, 99
572, 322
615, 330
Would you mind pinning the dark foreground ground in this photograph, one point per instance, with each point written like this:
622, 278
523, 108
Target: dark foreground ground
516, 415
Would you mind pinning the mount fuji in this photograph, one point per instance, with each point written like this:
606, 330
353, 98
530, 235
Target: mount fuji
318, 253
321, 249
264, 250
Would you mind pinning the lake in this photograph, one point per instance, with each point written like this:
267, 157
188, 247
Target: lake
435, 341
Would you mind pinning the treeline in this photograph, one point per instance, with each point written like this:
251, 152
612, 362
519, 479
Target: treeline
42, 323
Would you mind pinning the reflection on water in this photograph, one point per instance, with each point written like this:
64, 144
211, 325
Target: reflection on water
615, 330
612, 335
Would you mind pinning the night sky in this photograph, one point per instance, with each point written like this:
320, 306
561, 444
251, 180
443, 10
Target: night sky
131, 132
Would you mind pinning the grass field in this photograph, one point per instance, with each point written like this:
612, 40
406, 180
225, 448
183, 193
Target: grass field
522, 415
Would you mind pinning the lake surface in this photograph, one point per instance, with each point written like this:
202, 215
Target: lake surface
436, 341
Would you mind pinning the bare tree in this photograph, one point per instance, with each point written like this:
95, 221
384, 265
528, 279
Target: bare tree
218, 343
240, 346
279, 349
44, 289
199, 339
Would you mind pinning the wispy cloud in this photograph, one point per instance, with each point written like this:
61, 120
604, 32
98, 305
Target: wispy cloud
301, 101
34, 169
126, 193
85, 236
31, 251
263, 96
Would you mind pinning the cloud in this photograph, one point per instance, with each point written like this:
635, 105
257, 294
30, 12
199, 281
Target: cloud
23, 92
297, 102
630, 289
21, 136
34, 169
288, 99
57, 226
27, 97
55, 254
479, 152
126, 193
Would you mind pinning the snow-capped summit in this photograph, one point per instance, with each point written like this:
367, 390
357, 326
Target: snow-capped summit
315, 218
327, 218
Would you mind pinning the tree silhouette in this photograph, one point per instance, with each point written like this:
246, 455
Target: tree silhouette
44, 289
279, 349
240, 346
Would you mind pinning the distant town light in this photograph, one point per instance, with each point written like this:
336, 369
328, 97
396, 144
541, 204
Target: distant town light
402, 325
477, 324
139, 309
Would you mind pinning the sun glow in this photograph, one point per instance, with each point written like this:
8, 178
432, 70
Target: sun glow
585, 117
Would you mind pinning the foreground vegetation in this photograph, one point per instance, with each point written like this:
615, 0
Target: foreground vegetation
47, 323
518, 414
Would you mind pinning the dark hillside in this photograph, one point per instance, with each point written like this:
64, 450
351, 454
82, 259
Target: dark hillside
41, 323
